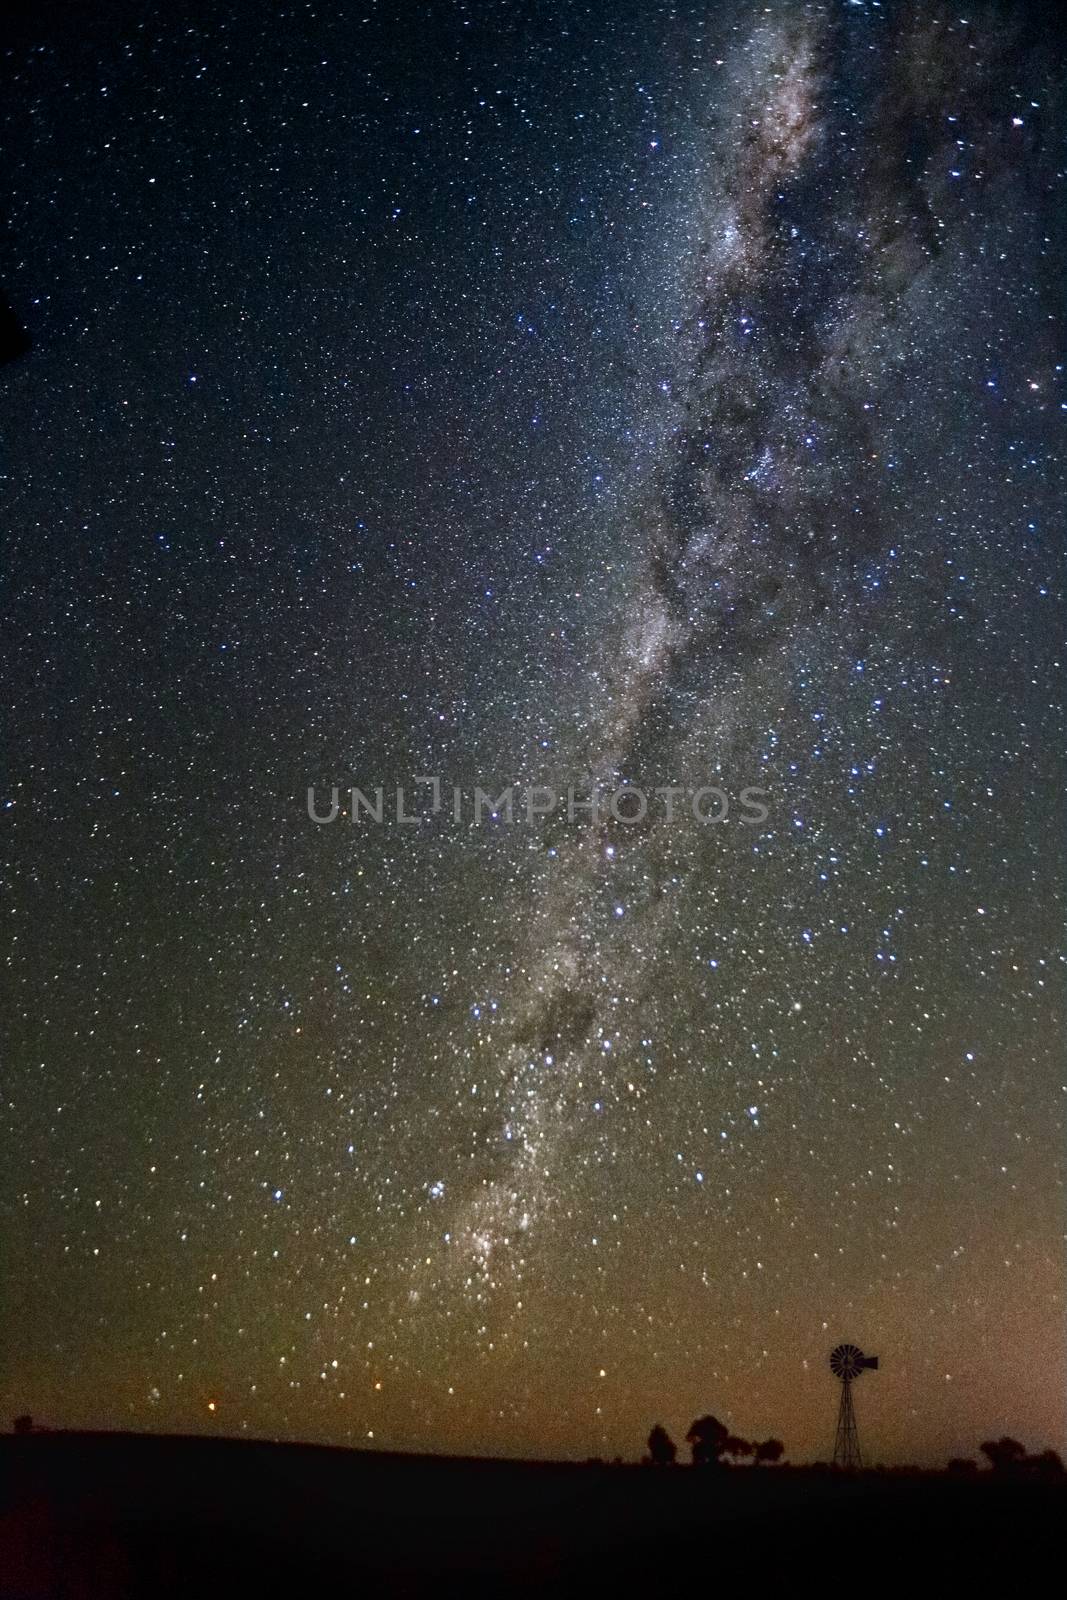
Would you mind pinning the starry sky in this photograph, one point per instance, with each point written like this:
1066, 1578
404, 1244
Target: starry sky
634, 393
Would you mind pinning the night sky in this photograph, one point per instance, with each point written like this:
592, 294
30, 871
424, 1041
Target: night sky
648, 394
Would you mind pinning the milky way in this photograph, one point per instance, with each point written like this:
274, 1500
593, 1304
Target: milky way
649, 399
814, 227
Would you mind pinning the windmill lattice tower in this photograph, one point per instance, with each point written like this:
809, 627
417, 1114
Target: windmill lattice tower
847, 1363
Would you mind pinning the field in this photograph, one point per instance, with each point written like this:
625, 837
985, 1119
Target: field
113, 1515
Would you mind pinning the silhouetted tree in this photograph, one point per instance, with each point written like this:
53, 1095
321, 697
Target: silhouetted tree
1047, 1465
707, 1440
1004, 1455
962, 1466
24, 1424
662, 1449
738, 1447
770, 1450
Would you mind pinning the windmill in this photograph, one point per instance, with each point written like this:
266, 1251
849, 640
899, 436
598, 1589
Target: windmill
847, 1363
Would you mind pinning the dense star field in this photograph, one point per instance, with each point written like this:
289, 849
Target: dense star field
638, 394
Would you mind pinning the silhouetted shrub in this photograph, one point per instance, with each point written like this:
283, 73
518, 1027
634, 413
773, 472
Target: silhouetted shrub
662, 1449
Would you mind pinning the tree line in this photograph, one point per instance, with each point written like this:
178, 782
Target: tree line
712, 1444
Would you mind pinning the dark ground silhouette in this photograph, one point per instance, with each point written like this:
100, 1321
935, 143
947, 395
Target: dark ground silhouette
116, 1515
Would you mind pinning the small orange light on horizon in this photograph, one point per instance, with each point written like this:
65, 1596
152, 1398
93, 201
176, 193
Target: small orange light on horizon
211, 1405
